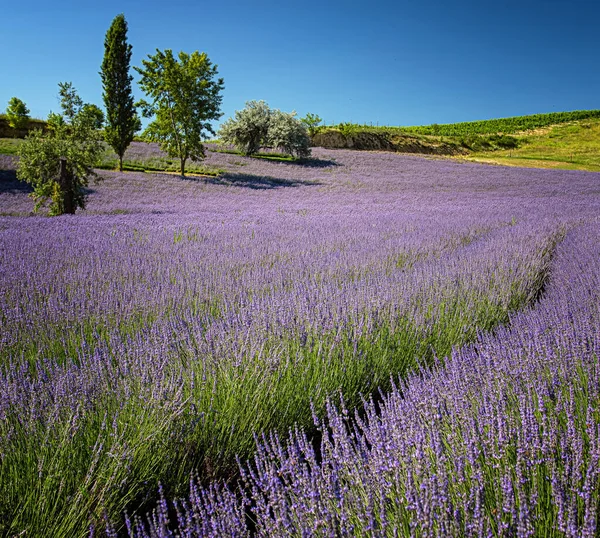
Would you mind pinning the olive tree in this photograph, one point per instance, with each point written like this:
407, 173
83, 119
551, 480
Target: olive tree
288, 133
250, 128
184, 98
58, 164
258, 126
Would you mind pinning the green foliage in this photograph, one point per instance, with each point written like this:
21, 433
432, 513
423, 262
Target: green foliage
95, 115
55, 121
122, 121
250, 128
489, 143
184, 98
567, 146
312, 122
9, 146
503, 125
72, 139
70, 102
259, 126
348, 129
17, 113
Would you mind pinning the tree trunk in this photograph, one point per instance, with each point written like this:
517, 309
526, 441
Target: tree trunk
183, 167
120, 163
65, 182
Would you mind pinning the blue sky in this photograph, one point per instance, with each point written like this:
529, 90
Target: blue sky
380, 62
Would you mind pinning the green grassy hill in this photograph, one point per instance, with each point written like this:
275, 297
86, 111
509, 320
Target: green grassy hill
573, 146
568, 140
512, 125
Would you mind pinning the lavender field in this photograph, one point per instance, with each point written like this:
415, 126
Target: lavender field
363, 344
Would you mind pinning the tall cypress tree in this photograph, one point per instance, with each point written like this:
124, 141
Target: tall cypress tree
121, 118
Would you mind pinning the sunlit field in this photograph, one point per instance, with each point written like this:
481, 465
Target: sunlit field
359, 344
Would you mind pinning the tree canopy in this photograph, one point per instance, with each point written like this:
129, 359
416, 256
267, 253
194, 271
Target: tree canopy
122, 120
184, 98
17, 113
258, 126
249, 130
58, 164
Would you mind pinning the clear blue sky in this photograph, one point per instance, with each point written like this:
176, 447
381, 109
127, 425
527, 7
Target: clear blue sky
387, 62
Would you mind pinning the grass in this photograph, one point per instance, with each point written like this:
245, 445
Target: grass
270, 156
8, 146
572, 146
157, 164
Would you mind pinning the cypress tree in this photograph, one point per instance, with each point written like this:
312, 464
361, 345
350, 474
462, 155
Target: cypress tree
121, 118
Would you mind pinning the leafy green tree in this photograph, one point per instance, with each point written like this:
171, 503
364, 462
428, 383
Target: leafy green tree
288, 133
312, 122
122, 121
58, 164
250, 128
95, 115
17, 113
184, 98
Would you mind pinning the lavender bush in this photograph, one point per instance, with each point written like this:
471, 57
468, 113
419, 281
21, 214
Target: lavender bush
159, 331
504, 440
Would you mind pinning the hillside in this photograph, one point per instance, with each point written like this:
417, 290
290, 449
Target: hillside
571, 146
568, 140
511, 125
6, 131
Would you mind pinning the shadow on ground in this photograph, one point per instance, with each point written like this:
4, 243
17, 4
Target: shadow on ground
312, 163
10, 184
251, 181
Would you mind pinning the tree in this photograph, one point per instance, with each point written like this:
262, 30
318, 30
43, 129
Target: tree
58, 164
312, 122
17, 113
288, 133
184, 99
250, 128
257, 125
94, 114
122, 121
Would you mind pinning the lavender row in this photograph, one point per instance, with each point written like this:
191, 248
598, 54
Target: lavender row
189, 391
502, 441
